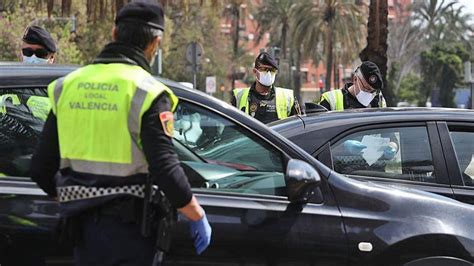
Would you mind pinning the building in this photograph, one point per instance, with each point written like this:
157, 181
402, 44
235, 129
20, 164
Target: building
312, 76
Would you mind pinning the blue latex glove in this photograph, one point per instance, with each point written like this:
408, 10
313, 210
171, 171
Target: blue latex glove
390, 151
354, 147
201, 233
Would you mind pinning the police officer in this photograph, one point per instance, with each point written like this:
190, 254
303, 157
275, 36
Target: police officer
365, 91
38, 47
111, 125
263, 100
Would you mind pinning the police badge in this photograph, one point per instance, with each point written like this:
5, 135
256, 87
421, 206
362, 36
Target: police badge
167, 122
253, 108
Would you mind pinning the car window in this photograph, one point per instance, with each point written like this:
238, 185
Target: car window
231, 158
464, 146
397, 153
22, 115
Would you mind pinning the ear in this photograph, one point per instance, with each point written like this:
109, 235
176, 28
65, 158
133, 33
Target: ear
52, 59
151, 48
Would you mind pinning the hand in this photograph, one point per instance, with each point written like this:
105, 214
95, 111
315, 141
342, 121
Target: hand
354, 147
201, 233
390, 151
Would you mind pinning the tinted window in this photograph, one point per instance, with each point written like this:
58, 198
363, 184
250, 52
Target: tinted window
398, 153
227, 156
22, 114
464, 146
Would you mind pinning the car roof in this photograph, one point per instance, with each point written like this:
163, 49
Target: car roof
318, 128
14, 74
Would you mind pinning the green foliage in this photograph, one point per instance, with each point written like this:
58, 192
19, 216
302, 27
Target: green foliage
201, 24
410, 89
442, 68
12, 27
70, 51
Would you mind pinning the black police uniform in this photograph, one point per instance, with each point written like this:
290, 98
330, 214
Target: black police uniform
351, 102
107, 229
99, 223
263, 107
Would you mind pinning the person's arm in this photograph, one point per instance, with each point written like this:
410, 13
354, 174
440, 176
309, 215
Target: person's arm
164, 165
325, 103
45, 161
165, 168
233, 101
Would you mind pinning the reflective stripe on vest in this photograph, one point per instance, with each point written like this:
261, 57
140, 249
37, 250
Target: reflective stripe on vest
99, 109
14, 98
284, 100
241, 99
335, 98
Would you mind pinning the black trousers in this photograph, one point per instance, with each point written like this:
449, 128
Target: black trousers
107, 240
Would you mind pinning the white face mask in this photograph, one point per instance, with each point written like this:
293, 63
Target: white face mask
266, 78
34, 60
365, 98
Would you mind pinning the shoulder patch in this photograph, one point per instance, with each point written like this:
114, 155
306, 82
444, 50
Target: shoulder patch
167, 121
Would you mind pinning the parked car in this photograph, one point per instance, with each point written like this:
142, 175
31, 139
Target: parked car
435, 146
269, 202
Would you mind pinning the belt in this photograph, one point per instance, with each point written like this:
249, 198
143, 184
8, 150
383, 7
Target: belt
72, 193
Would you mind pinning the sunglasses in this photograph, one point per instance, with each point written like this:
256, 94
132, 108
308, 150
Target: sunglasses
265, 69
41, 52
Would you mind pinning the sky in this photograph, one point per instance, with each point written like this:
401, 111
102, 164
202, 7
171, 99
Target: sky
468, 5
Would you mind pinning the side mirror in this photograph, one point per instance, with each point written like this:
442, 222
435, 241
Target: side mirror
301, 180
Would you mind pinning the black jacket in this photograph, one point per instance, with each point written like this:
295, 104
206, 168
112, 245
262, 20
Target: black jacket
163, 162
351, 102
263, 107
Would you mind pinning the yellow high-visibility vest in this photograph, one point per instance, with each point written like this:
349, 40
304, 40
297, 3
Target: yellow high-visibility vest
99, 109
284, 101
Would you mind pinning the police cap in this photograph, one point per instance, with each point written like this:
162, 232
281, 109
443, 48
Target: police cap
150, 14
265, 58
372, 75
38, 35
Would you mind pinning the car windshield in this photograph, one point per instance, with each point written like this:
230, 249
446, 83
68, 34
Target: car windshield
217, 140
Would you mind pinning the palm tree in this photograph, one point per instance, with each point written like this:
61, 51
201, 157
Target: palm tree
376, 49
320, 25
443, 21
273, 16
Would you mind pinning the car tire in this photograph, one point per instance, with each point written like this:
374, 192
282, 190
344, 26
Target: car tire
438, 261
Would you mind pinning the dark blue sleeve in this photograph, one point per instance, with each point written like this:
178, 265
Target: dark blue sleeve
46, 159
164, 165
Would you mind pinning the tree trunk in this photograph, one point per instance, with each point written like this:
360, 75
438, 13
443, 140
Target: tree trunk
49, 7
297, 76
329, 59
236, 41
376, 49
66, 8
284, 30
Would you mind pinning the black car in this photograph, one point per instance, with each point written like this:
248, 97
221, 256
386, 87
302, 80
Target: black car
269, 202
435, 146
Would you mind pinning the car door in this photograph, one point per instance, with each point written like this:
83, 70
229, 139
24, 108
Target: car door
458, 145
27, 216
417, 163
238, 177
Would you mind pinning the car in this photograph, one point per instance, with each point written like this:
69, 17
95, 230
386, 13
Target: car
434, 154
268, 201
